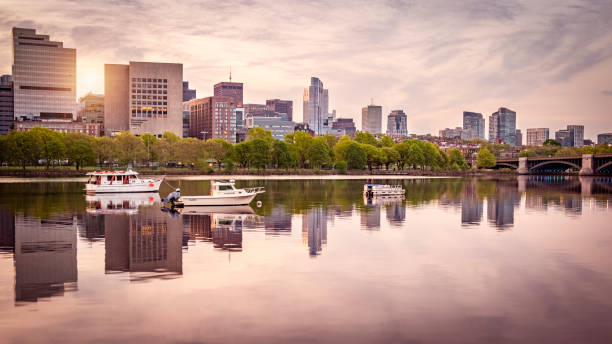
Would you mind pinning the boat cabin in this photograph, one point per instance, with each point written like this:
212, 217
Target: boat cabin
112, 177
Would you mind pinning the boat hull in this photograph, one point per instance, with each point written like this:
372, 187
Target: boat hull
188, 201
152, 186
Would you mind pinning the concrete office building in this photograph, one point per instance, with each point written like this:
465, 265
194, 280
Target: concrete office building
519, 137
537, 136
238, 132
603, 139
371, 119
474, 121
316, 105
255, 109
564, 137
44, 76
502, 127
186, 116
345, 124
143, 97
7, 116
281, 106
188, 94
91, 108
396, 124
230, 89
276, 125
578, 134
210, 117
60, 125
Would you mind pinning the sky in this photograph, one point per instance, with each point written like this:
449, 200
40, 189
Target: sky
550, 61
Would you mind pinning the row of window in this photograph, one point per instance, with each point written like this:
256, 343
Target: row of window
149, 86
138, 102
149, 91
148, 80
149, 97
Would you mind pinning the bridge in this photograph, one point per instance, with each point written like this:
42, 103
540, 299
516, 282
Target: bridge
585, 165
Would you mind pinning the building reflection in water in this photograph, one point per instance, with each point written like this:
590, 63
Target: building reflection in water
396, 213
45, 256
314, 230
471, 204
147, 244
500, 206
370, 217
7, 230
278, 222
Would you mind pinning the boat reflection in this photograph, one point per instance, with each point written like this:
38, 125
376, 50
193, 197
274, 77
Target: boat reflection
119, 203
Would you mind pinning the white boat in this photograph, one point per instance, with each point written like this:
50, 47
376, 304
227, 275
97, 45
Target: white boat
120, 181
380, 190
119, 203
222, 193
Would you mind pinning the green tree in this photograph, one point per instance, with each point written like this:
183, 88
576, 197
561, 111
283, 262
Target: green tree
355, 156
386, 141
149, 142
341, 146
341, 166
130, 148
49, 144
366, 138
374, 155
218, 149
4, 149
105, 150
281, 156
391, 155
456, 160
189, 151
319, 153
259, 153
79, 149
260, 133
416, 157
21, 148
241, 153
485, 159
403, 149
302, 142
551, 142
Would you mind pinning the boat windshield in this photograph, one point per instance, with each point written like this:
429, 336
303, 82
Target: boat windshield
225, 187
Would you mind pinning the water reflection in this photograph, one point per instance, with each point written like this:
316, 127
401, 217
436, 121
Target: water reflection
45, 256
314, 230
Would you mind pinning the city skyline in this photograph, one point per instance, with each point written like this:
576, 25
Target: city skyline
548, 62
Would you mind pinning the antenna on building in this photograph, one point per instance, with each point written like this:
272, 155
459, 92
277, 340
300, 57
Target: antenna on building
230, 73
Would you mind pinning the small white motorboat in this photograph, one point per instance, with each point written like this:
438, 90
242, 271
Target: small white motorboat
222, 193
120, 181
379, 190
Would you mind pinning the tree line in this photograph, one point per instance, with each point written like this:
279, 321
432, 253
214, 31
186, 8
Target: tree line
553, 148
40, 146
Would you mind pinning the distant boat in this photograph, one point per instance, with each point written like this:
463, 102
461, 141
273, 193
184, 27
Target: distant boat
380, 190
222, 193
120, 181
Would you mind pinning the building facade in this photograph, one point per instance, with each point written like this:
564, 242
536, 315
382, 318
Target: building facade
186, 116
281, 106
60, 125
397, 124
210, 117
345, 124
502, 127
475, 122
278, 126
371, 119
188, 94
233, 90
143, 97
577, 133
255, 109
537, 136
44, 75
91, 108
564, 137
7, 115
603, 139
316, 105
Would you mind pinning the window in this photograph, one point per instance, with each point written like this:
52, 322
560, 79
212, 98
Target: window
165, 80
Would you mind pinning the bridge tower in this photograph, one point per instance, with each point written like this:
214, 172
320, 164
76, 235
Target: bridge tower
522, 167
587, 165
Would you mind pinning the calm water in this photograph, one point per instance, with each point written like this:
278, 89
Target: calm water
459, 260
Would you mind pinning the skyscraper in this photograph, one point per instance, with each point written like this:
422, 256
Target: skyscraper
230, 89
537, 136
475, 122
396, 124
281, 106
371, 119
578, 134
316, 105
519, 137
564, 137
44, 76
91, 108
143, 97
502, 127
188, 94
7, 116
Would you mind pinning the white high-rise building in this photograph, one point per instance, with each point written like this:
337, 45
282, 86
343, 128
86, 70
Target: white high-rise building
316, 105
371, 119
44, 77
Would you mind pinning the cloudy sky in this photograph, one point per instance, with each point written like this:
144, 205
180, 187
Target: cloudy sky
551, 61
